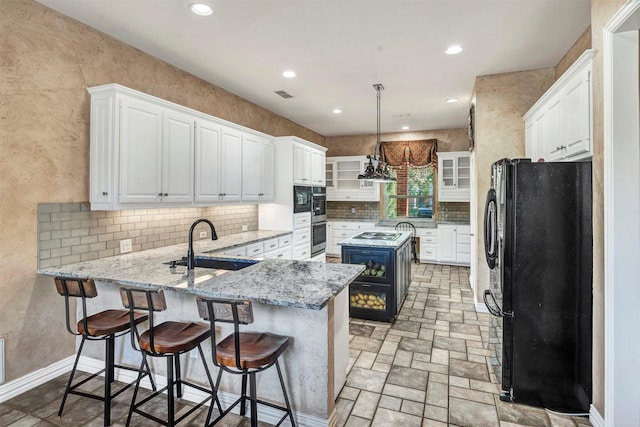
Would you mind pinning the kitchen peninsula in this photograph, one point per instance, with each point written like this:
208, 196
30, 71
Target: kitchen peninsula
304, 300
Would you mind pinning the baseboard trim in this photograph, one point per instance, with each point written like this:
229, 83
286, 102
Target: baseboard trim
595, 418
34, 379
267, 414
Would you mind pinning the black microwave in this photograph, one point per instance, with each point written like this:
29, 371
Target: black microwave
301, 199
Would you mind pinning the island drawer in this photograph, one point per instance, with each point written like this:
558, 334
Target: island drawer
237, 251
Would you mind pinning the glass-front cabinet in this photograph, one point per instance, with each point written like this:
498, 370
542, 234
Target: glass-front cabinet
454, 176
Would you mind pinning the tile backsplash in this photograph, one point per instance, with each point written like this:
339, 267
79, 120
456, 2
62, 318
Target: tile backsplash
342, 210
71, 232
454, 211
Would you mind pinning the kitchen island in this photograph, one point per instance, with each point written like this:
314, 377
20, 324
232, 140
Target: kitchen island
304, 300
378, 293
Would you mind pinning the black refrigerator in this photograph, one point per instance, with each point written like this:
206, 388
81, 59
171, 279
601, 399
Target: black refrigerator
539, 247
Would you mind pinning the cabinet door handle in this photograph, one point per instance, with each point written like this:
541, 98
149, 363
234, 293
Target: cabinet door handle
104, 193
165, 194
159, 194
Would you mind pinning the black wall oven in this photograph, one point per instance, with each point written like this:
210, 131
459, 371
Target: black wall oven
301, 199
318, 220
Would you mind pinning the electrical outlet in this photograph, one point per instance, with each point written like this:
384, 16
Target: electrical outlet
203, 234
125, 246
353, 210
245, 227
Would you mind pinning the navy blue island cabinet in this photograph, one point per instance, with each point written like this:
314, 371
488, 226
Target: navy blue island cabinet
378, 293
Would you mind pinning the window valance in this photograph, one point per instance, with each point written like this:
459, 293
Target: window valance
413, 153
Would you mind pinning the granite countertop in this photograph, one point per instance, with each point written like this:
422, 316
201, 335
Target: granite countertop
303, 284
378, 243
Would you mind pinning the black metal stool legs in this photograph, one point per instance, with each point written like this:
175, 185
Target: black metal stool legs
73, 372
286, 398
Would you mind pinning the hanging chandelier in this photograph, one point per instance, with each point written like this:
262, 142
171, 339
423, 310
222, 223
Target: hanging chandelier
379, 172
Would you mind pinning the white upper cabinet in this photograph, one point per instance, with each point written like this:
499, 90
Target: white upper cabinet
218, 163
257, 168
342, 173
454, 176
301, 164
177, 158
147, 152
156, 152
558, 126
318, 168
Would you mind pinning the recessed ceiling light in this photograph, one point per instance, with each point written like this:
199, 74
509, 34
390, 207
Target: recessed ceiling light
453, 50
201, 9
452, 100
289, 74
405, 128
337, 111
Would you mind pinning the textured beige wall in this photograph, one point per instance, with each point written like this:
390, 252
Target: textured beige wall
359, 145
501, 101
601, 12
583, 43
47, 62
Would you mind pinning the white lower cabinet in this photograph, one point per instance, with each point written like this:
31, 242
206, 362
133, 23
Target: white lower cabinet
428, 244
302, 236
454, 244
278, 247
447, 243
463, 244
340, 230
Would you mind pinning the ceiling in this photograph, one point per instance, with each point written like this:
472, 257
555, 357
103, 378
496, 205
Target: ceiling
340, 48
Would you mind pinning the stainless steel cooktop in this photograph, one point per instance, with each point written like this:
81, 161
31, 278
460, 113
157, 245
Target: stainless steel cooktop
378, 235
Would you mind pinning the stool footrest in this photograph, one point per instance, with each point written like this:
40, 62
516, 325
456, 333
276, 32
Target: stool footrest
162, 390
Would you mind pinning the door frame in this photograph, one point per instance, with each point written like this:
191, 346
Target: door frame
622, 215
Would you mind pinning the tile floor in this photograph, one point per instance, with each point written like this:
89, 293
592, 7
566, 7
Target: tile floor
428, 368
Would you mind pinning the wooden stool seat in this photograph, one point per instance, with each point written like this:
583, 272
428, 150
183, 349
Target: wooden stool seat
174, 337
168, 340
256, 349
245, 354
108, 322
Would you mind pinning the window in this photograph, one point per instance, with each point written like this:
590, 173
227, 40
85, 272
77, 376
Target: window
412, 195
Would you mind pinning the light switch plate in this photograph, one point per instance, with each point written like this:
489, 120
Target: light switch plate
125, 246
203, 234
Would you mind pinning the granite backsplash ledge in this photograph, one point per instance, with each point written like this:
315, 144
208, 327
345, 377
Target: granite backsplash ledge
71, 232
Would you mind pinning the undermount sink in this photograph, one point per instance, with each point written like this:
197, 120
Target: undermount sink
215, 263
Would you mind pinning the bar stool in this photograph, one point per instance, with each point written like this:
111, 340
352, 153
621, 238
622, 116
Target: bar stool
103, 326
243, 353
169, 340
407, 226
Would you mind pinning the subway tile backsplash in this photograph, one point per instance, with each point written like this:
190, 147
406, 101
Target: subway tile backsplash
454, 211
363, 210
71, 232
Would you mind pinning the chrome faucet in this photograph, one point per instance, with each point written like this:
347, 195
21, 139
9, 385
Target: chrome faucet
190, 256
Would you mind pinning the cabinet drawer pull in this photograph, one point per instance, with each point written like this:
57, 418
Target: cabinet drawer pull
104, 193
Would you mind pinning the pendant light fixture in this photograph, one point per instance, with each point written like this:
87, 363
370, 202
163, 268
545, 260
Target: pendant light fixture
380, 172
